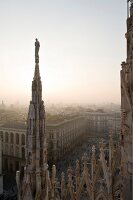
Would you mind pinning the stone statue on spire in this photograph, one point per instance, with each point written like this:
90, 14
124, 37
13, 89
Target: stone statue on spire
37, 46
130, 1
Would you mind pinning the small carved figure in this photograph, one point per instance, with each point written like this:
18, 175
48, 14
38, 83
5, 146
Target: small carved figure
37, 46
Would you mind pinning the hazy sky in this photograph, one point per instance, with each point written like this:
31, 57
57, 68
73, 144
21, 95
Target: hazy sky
82, 47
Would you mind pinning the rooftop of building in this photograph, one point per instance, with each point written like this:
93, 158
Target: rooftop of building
14, 125
51, 120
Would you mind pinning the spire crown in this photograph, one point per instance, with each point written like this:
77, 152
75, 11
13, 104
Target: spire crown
129, 8
37, 46
37, 72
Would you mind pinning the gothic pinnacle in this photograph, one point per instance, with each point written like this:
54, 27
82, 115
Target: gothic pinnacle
37, 46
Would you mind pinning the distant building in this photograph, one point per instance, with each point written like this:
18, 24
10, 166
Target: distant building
61, 138
101, 123
2, 105
13, 137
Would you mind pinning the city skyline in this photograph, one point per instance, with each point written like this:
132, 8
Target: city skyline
80, 54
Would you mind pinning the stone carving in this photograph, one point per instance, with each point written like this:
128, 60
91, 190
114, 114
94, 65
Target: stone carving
29, 158
37, 46
125, 129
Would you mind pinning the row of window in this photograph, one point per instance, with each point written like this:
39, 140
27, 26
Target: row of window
10, 151
98, 118
63, 133
14, 138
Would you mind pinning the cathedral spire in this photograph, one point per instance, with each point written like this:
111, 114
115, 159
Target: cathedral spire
35, 182
36, 83
37, 46
37, 73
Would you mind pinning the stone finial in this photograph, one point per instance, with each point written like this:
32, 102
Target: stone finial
111, 138
124, 114
18, 179
62, 184
85, 160
53, 173
93, 160
69, 171
77, 173
77, 168
37, 46
18, 184
123, 64
93, 151
101, 144
101, 181
25, 172
62, 176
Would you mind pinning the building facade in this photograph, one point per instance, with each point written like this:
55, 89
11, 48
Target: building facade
64, 136
61, 138
13, 142
99, 124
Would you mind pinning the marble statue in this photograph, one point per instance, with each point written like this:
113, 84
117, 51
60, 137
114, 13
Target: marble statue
37, 46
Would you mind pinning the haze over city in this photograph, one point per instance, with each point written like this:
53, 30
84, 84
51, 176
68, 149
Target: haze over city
81, 50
